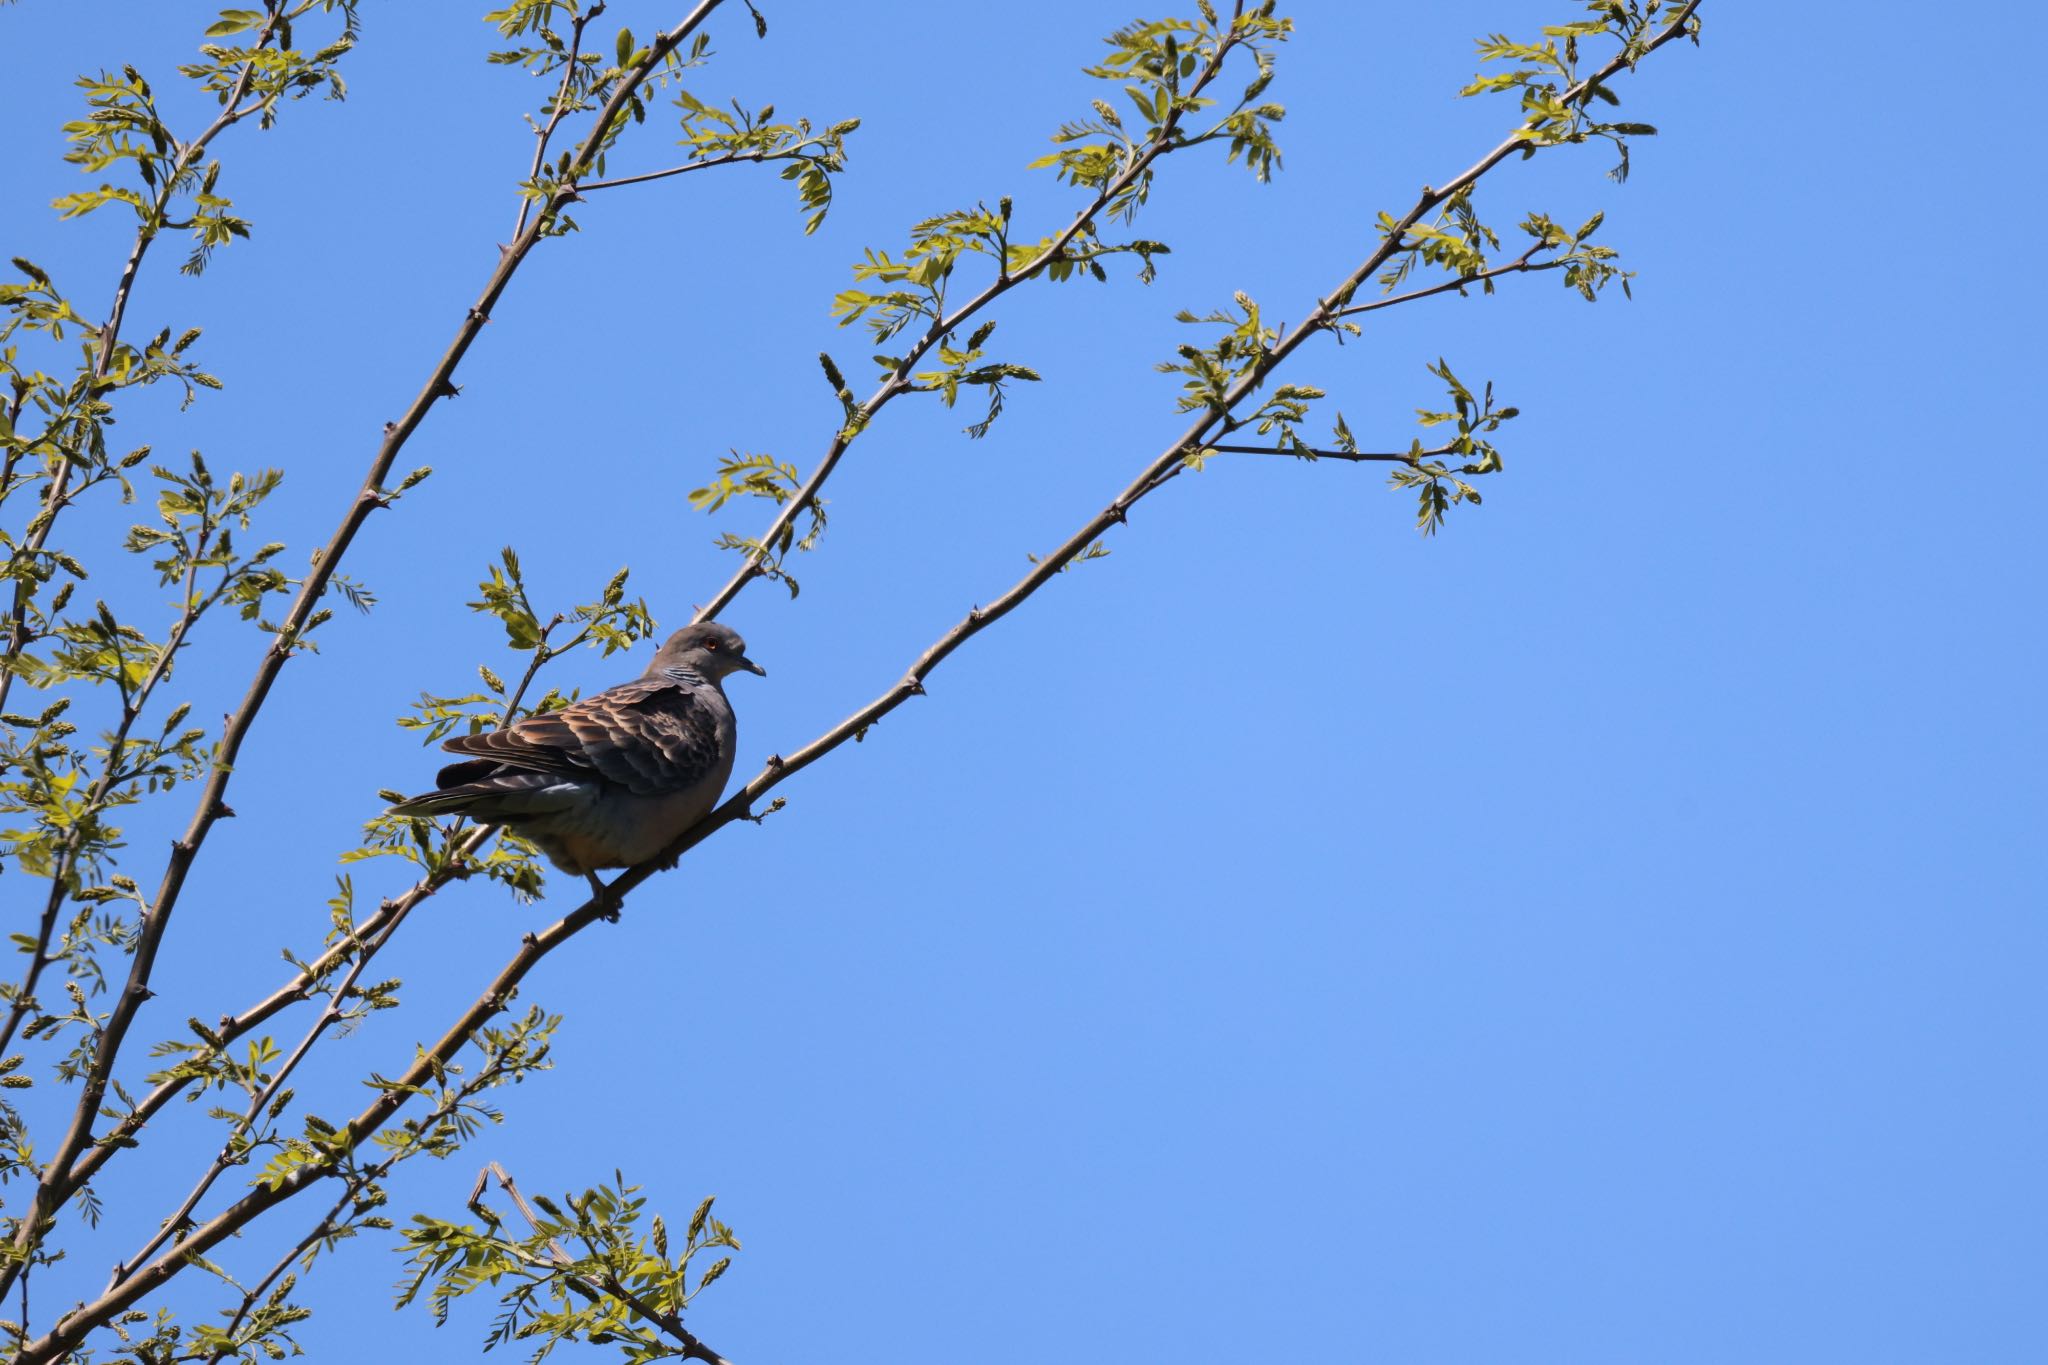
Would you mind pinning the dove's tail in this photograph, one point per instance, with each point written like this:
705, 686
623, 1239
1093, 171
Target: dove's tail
496, 796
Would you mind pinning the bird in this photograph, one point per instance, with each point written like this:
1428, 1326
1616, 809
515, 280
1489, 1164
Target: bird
615, 778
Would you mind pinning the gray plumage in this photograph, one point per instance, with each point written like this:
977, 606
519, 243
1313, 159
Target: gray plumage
613, 779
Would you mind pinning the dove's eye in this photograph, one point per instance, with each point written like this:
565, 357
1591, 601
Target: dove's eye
711, 644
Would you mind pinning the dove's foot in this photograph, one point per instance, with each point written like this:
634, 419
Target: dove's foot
608, 900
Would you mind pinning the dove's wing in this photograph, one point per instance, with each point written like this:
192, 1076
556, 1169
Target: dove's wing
650, 737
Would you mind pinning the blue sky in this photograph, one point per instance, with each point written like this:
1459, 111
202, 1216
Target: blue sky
1610, 931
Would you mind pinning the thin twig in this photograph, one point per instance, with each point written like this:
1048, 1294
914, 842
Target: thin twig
722, 159
1525, 263
1317, 453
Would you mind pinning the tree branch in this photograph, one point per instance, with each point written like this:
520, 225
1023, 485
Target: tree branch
722, 159
1355, 456
1525, 263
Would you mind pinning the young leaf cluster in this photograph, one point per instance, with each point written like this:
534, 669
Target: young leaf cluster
1160, 68
1440, 487
714, 136
1547, 75
173, 189
593, 1267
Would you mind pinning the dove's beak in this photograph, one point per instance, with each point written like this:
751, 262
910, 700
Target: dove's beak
751, 666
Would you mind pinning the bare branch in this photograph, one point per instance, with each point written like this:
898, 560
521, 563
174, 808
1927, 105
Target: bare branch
790, 153
1355, 456
1526, 263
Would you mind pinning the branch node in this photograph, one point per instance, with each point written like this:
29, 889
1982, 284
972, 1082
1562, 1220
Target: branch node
773, 806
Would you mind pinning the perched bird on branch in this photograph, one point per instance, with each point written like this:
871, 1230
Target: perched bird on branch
614, 779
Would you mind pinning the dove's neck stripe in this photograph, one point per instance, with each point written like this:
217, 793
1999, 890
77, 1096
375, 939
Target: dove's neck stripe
688, 677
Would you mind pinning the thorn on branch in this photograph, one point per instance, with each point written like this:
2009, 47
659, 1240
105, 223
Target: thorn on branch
223, 811
479, 315
447, 389
773, 761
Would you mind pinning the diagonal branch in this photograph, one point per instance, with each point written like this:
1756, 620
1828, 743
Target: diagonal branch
1355, 456
1526, 263
789, 153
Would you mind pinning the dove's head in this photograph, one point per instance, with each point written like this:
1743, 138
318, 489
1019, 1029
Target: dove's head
711, 651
